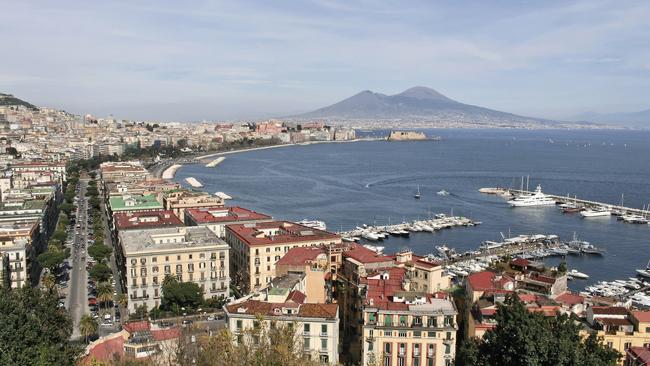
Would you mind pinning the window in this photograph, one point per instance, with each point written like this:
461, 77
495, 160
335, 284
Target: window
432, 321
178, 257
402, 320
431, 350
402, 349
610, 344
323, 329
401, 334
154, 259
417, 321
447, 349
190, 256
416, 349
306, 328
400, 361
417, 334
627, 345
431, 334
166, 258
268, 250
323, 343
388, 320
387, 348
388, 333
305, 343
449, 321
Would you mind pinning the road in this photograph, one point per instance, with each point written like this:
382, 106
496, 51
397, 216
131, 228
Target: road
78, 292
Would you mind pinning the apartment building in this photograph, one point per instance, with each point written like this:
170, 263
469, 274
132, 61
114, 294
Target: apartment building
620, 328
316, 325
216, 218
13, 261
181, 200
406, 328
257, 247
191, 254
123, 172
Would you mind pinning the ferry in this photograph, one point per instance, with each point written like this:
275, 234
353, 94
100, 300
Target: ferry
536, 199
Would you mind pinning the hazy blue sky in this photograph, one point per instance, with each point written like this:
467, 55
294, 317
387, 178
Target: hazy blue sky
191, 60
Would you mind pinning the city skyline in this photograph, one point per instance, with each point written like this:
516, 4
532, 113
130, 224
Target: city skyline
250, 60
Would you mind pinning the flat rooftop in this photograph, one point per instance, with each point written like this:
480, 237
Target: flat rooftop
134, 202
169, 239
146, 220
279, 232
209, 215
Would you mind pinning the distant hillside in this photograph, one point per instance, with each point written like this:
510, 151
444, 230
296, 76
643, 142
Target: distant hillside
8, 99
414, 103
639, 119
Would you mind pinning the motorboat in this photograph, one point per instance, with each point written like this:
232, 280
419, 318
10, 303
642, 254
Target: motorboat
370, 236
314, 224
644, 272
417, 194
634, 219
590, 249
576, 274
442, 193
595, 212
530, 200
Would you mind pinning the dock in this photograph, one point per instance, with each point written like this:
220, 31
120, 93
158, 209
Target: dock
215, 162
506, 192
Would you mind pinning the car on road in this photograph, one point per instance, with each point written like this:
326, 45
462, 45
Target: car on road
211, 318
186, 322
92, 301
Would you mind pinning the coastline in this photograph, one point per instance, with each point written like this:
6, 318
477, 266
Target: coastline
170, 172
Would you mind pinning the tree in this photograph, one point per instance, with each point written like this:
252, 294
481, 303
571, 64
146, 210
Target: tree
260, 346
53, 258
59, 236
100, 272
524, 338
562, 267
87, 326
67, 208
34, 331
92, 175
123, 300
99, 251
104, 293
182, 294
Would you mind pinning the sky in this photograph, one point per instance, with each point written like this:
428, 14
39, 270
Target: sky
213, 60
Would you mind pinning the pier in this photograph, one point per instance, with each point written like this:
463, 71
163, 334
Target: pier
618, 209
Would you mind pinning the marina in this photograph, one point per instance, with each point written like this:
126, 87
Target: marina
586, 208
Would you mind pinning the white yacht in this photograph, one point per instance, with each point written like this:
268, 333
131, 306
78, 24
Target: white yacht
575, 274
314, 224
596, 212
644, 272
442, 193
536, 199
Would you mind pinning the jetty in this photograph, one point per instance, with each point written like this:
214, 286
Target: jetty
587, 204
193, 182
170, 172
215, 162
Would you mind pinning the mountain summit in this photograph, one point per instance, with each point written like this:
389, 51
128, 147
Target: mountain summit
416, 103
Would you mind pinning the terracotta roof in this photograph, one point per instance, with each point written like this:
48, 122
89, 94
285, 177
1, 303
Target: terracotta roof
106, 350
284, 232
641, 316
145, 220
520, 262
300, 255
319, 310
297, 297
365, 255
609, 310
569, 298
137, 326
487, 280
166, 334
640, 355
205, 215
381, 291
613, 321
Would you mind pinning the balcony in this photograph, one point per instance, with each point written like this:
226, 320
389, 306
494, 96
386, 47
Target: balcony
370, 339
324, 334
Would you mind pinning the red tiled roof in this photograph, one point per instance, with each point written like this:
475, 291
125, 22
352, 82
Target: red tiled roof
232, 214
297, 297
380, 291
487, 280
286, 232
569, 298
166, 334
609, 310
542, 278
613, 321
520, 262
640, 355
106, 350
641, 316
137, 326
299, 256
145, 220
365, 255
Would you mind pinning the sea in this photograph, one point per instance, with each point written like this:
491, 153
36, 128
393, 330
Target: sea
374, 182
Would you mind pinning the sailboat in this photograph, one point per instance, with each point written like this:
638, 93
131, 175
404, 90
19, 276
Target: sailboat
417, 195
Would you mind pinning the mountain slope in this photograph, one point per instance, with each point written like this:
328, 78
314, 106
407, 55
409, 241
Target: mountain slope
417, 103
630, 119
8, 99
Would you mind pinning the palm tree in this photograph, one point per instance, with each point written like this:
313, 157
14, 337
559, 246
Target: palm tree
123, 300
48, 281
88, 326
104, 292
